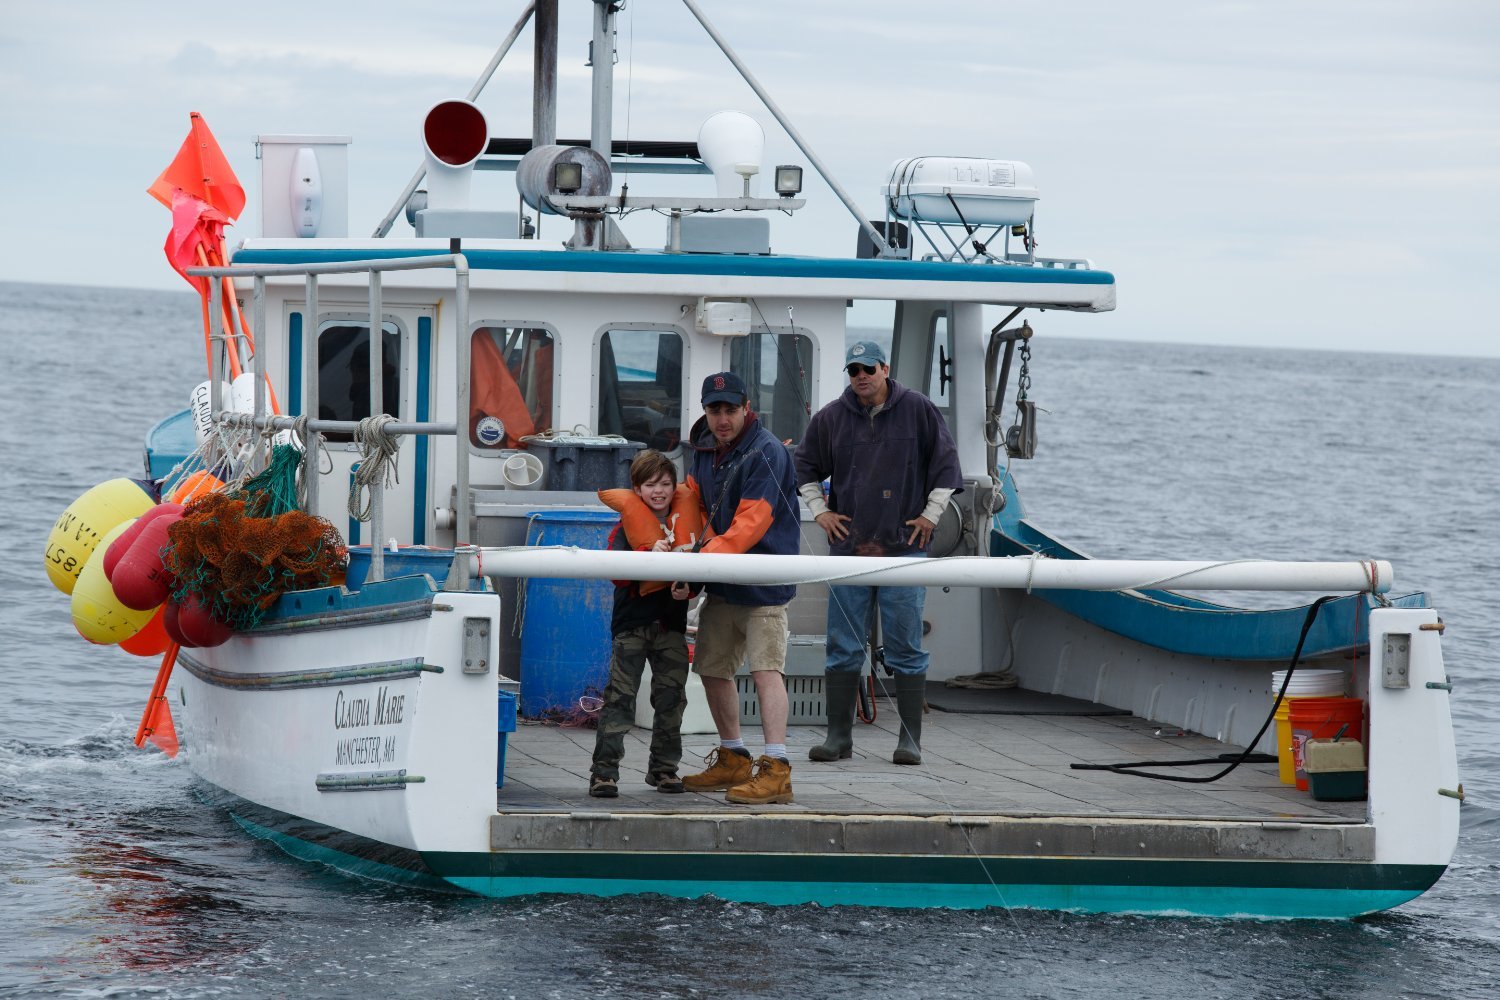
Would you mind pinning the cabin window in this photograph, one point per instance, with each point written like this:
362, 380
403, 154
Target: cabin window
777, 368
940, 348
640, 386
510, 385
344, 373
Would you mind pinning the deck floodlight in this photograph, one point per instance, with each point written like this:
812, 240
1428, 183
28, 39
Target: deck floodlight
567, 177
788, 180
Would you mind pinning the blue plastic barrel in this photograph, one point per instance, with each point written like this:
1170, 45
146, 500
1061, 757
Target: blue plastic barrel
565, 640
506, 724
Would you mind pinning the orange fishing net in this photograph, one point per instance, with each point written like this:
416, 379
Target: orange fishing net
237, 564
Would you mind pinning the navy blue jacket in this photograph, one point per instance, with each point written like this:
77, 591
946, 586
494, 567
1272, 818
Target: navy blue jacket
749, 500
881, 468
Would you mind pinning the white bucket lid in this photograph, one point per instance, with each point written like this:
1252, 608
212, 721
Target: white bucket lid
1308, 682
1308, 675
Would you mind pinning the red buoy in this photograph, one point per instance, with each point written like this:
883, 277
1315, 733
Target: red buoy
170, 611
141, 580
199, 626
121, 545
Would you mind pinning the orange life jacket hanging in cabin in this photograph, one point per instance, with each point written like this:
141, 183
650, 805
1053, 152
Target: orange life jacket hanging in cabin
496, 394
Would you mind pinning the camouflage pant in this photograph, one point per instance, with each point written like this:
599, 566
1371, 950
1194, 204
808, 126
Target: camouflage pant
667, 652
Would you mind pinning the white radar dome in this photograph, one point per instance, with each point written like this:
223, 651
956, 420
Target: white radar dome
730, 142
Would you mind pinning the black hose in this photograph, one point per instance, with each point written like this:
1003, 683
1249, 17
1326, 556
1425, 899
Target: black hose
1235, 759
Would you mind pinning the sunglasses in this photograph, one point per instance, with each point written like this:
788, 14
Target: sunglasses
854, 370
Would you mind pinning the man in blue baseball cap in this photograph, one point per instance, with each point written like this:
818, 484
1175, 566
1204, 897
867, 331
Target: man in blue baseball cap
892, 467
744, 481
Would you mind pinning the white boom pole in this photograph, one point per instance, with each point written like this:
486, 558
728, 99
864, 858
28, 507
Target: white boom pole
1015, 572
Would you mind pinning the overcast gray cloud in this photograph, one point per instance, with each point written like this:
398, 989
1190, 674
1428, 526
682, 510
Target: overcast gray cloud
1303, 173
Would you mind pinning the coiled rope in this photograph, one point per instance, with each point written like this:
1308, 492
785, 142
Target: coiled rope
377, 464
301, 439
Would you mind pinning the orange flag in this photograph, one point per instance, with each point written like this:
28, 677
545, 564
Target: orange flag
201, 170
156, 721
163, 732
195, 224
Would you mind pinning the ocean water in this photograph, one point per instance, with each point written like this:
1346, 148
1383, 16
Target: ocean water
119, 882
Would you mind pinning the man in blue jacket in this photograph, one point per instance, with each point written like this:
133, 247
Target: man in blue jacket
892, 467
743, 478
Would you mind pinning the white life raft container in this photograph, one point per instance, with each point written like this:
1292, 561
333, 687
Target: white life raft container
940, 189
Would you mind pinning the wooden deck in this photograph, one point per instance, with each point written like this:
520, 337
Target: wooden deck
1001, 765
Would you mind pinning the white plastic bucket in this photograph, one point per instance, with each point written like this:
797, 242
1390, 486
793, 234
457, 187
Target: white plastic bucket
1309, 683
697, 720
522, 471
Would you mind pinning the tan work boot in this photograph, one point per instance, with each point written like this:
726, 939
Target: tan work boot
771, 783
726, 768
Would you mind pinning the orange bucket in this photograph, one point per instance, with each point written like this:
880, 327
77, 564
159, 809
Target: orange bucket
1322, 718
1286, 767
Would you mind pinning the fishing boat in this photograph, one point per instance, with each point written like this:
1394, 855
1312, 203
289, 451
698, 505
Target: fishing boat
371, 722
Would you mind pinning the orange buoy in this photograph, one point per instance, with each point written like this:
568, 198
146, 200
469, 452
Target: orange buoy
151, 640
141, 579
195, 486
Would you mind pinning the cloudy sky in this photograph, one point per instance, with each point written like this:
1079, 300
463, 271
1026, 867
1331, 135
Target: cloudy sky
1301, 174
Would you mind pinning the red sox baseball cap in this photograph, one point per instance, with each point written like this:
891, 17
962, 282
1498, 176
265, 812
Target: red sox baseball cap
724, 387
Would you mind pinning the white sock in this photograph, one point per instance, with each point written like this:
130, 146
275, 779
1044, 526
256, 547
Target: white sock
777, 750
733, 744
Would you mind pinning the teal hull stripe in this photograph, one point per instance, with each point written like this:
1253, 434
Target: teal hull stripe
421, 442
1203, 901
353, 534
294, 365
736, 265
839, 869
351, 863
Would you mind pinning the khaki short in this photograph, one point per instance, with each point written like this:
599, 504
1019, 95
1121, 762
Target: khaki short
731, 634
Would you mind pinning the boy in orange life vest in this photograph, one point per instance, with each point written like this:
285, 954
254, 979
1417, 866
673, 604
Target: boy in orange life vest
651, 626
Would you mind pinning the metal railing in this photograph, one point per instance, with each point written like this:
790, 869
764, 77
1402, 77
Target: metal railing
264, 420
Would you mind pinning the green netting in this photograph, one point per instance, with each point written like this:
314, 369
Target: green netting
274, 490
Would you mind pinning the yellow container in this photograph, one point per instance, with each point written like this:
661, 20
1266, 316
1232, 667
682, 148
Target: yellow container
1286, 767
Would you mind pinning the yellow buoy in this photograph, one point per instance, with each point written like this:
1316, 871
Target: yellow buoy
85, 522
97, 614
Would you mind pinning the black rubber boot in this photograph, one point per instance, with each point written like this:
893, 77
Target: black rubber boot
839, 688
911, 701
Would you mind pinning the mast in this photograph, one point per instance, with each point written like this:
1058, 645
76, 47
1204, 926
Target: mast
602, 58
544, 86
